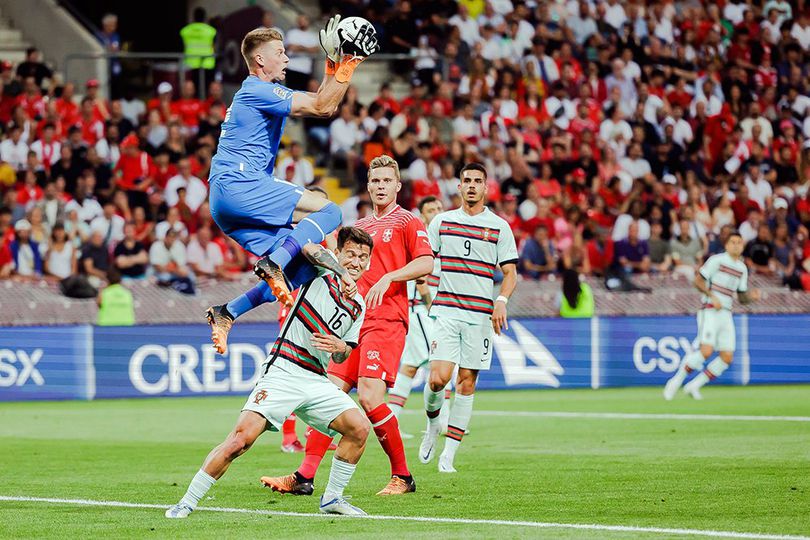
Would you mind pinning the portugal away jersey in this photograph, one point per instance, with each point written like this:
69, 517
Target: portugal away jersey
724, 276
319, 308
470, 249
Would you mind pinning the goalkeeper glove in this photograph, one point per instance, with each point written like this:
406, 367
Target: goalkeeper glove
330, 43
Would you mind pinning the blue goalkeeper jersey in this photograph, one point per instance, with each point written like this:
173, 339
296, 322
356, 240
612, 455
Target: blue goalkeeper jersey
252, 129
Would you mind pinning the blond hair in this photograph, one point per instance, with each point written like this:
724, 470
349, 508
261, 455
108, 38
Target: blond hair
256, 38
383, 161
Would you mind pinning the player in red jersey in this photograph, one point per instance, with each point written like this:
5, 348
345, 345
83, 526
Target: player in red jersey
402, 253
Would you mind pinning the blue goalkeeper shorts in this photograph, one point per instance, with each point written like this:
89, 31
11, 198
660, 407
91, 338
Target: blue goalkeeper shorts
257, 213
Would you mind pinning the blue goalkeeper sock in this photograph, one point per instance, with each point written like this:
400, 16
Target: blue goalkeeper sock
258, 295
311, 229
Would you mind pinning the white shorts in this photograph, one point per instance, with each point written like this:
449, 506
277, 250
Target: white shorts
465, 344
716, 328
417, 342
287, 388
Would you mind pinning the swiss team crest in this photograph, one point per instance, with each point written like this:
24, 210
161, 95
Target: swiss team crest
260, 396
373, 355
387, 234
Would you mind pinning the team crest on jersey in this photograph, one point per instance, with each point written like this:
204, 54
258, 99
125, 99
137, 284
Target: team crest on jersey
387, 234
260, 396
373, 355
486, 234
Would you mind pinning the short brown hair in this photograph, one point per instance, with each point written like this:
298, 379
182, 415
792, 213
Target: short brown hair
383, 161
256, 38
353, 234
473, 166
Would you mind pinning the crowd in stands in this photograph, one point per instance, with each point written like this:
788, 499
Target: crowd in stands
90, 184
619, 137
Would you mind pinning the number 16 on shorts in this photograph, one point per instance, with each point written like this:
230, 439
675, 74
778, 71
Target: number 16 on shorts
465, 344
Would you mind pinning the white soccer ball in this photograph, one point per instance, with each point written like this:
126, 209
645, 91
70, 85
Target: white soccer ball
347, 32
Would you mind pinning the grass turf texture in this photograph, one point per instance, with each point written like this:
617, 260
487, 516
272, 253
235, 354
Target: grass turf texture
741, 476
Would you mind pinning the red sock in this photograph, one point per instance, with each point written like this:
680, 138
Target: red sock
317, 444
387, 429
288, 430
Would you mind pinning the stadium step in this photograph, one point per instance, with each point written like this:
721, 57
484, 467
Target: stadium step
337, 193
12, 42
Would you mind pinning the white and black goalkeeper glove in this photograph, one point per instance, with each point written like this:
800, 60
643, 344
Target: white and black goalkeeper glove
330, 43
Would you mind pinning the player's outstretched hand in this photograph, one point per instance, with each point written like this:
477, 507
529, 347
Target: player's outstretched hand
755, 295
328, 344
375, 295
348, 285
330, 42
499, 318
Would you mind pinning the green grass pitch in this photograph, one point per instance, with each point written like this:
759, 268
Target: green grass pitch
738, 475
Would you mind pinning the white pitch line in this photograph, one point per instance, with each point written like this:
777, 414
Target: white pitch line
640, 416
420, 519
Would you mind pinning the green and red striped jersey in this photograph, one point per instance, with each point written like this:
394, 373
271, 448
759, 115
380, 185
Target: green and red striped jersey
470, 249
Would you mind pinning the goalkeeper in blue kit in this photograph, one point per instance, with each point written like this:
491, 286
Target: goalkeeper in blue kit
248, 203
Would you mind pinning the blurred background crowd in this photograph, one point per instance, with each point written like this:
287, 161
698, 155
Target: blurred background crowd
620, 138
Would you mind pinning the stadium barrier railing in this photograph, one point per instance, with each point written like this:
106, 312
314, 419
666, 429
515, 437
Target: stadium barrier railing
86, 362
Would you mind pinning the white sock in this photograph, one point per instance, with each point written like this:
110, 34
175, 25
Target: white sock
197, 489
398, 395
433, 403
691, 362
459, 420
715, 368
339, 478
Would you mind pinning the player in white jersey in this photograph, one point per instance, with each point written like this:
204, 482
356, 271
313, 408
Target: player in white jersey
471, 242
322, 325
417, 343
719, 278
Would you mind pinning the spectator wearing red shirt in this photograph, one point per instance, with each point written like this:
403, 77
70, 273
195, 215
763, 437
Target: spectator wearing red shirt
163, 168
100, 108
31, 100
742, 204
92, 128
29, 193
417, 97
510, 214
188, 108
387, 101
135, 171
66, 107
163, 102
600, 252
215, 95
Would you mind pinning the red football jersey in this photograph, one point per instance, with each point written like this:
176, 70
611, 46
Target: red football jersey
399, 237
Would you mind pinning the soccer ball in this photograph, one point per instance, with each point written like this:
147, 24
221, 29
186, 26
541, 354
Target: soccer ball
348, 30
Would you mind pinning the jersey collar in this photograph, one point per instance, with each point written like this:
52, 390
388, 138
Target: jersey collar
394, 209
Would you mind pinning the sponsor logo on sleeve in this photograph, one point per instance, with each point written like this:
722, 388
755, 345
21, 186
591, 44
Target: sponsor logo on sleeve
282, 93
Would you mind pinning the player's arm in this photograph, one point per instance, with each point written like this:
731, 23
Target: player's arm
323, 103
339, 349
743, 294
320, 256
702, 285
508, 285
424, 292
417, 268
